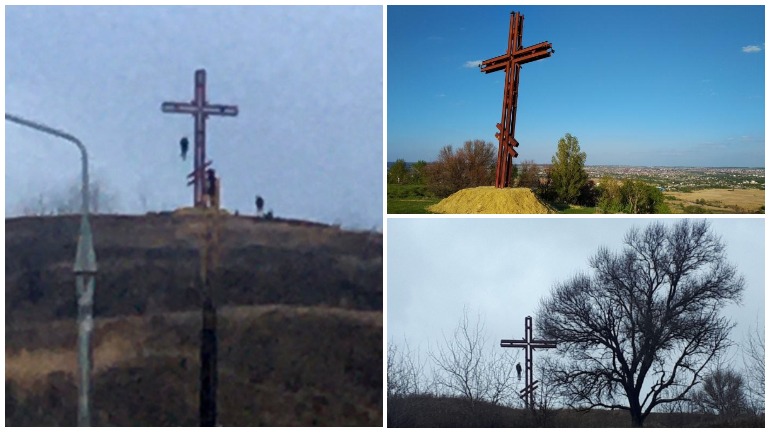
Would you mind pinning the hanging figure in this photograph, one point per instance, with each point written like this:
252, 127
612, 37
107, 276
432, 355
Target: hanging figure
260, 205
185, 145
518, 369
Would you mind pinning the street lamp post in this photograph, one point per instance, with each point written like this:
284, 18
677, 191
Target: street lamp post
85, 273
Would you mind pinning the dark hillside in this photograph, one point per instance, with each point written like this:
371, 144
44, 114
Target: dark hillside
300, 322
422, 411
151, 262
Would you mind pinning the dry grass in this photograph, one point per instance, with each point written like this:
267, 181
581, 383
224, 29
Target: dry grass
745, 200
491, 200
278, 365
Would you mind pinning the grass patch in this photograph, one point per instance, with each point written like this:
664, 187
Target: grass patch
578, 210
408, 191
419, 206
410, 199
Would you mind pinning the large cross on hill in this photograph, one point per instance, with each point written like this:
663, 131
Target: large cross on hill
529, 344
200, 109
511, 62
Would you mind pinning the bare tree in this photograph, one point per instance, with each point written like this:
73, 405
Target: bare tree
547, 392
528, 174
465, 366
405, 373
68, 201
471, 165
722, 394
646, 322
754, 362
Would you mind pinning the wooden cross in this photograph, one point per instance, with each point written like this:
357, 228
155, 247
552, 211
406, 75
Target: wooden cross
511, 62
529, 345
200, 109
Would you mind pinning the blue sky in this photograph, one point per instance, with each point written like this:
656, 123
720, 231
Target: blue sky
307, 80
643, 85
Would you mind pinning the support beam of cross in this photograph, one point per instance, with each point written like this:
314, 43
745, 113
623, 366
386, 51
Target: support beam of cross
529, 344
511, 63
200, 110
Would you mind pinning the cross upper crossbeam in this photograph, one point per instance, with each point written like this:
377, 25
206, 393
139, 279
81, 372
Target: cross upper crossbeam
522, 56
534, 344
191, 108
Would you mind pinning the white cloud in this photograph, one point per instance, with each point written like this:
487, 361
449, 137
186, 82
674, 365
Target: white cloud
751, 49
472, 64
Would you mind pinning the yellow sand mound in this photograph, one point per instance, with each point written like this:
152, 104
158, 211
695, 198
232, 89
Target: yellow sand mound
488, 199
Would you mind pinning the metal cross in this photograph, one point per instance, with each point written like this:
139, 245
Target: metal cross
529, 345
200, 109
511, 62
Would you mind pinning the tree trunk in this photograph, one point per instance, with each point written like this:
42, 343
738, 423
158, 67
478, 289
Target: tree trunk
635, 409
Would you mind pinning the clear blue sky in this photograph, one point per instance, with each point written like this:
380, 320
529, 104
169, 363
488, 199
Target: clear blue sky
643, 85
308, 82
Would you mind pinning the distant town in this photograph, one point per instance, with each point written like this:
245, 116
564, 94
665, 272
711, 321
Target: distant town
681, 179
685, 178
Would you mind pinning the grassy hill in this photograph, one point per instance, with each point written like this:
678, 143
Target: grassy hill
421, 411
300, 322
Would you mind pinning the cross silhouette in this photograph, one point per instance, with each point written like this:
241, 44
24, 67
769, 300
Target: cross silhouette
200, 109
529, 344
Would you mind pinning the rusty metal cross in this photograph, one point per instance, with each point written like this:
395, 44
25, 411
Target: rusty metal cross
529, 344
200, 109
511, 62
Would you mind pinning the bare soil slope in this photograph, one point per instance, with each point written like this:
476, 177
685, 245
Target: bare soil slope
300, 322
491, 200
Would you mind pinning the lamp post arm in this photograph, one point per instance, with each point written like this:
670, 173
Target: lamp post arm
69, 137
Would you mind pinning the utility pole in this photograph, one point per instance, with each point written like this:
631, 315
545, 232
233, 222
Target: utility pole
208, 349
85, 274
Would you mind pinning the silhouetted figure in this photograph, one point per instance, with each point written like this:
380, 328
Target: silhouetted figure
211, 188
260, 205
518, 369
185, 145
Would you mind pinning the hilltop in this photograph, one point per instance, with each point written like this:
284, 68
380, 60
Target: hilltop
300, 328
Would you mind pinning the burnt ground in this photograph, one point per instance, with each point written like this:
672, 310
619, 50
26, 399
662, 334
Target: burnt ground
300, 321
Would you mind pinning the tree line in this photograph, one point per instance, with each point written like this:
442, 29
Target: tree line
563, 181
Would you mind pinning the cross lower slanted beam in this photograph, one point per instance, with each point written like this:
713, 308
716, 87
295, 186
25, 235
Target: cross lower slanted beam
511, 63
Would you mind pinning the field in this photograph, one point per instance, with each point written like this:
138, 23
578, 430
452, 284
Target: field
299, 323
278, 365
717, 201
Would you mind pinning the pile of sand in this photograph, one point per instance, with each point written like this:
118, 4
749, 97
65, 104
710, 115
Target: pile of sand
488, 199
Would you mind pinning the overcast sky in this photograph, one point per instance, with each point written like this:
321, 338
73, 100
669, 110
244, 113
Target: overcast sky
503, 267
307, 80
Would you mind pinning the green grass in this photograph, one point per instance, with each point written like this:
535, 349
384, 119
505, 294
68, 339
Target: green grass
413, 205
578, 210
410, 199
408, 191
